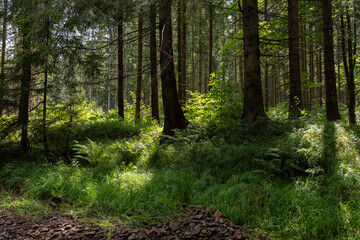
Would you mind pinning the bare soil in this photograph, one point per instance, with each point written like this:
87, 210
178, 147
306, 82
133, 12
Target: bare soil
191, 223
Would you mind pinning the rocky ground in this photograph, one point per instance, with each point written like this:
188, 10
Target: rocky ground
192, 223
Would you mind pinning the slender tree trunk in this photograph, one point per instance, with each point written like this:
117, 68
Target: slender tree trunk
253, 98
311, 70
179, 45
319, 75
109, 78
173, 115
294, 63
349, 65
332, 111
120, 68
23, 117
139, 68
46, 145
266, 63
192, 58
153, 59
182, 58
199, 52
211, 32
2, 65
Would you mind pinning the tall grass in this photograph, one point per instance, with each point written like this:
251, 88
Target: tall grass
295, 179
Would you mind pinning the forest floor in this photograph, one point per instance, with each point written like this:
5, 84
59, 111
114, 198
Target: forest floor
192, 223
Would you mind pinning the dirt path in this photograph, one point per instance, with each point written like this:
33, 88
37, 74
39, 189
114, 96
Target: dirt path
192, 223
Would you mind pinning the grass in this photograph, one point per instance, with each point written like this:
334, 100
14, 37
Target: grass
295, 179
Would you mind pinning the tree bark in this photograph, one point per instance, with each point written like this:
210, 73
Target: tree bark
253, 98
153, 61
173, 115
211, 32
23, 117
200, 52
182, 53
349, 66
3, 50
294, 63
332, 111
120, 67
139, 68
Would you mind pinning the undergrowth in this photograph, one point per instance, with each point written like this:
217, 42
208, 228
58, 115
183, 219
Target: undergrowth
297, 179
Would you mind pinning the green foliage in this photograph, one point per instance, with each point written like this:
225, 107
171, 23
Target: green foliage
297, 179
222, 104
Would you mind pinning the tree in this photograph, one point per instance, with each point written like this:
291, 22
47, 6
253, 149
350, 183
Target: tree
332, 111
120, 65
173, 115
23, 117
253, 98
294, 63
153, 61
139, 68
349, 64
2, 64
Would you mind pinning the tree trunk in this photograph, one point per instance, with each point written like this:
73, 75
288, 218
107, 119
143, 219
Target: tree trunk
192, 58
182, 58
3, 50
349, 65
46, 145
120, 68
199, 52
332, 111
253, 98
23, 117
173, 115
139, 68
179, 45
294, 63
153, 61
211, 32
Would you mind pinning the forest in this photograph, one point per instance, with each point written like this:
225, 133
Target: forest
179, 119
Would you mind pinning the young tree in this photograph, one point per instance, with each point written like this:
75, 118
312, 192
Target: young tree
332, 111
253, 98
294, 63
173, 114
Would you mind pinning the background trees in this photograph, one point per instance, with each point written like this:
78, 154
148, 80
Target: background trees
78, 50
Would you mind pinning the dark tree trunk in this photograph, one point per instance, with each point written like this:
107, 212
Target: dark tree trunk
173, 114
253, 98
46, 145
153, 59
2, 64
23, 117
139, 68
182, 81
294, 63
332, 111
182, 51
349, 66
120, 68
